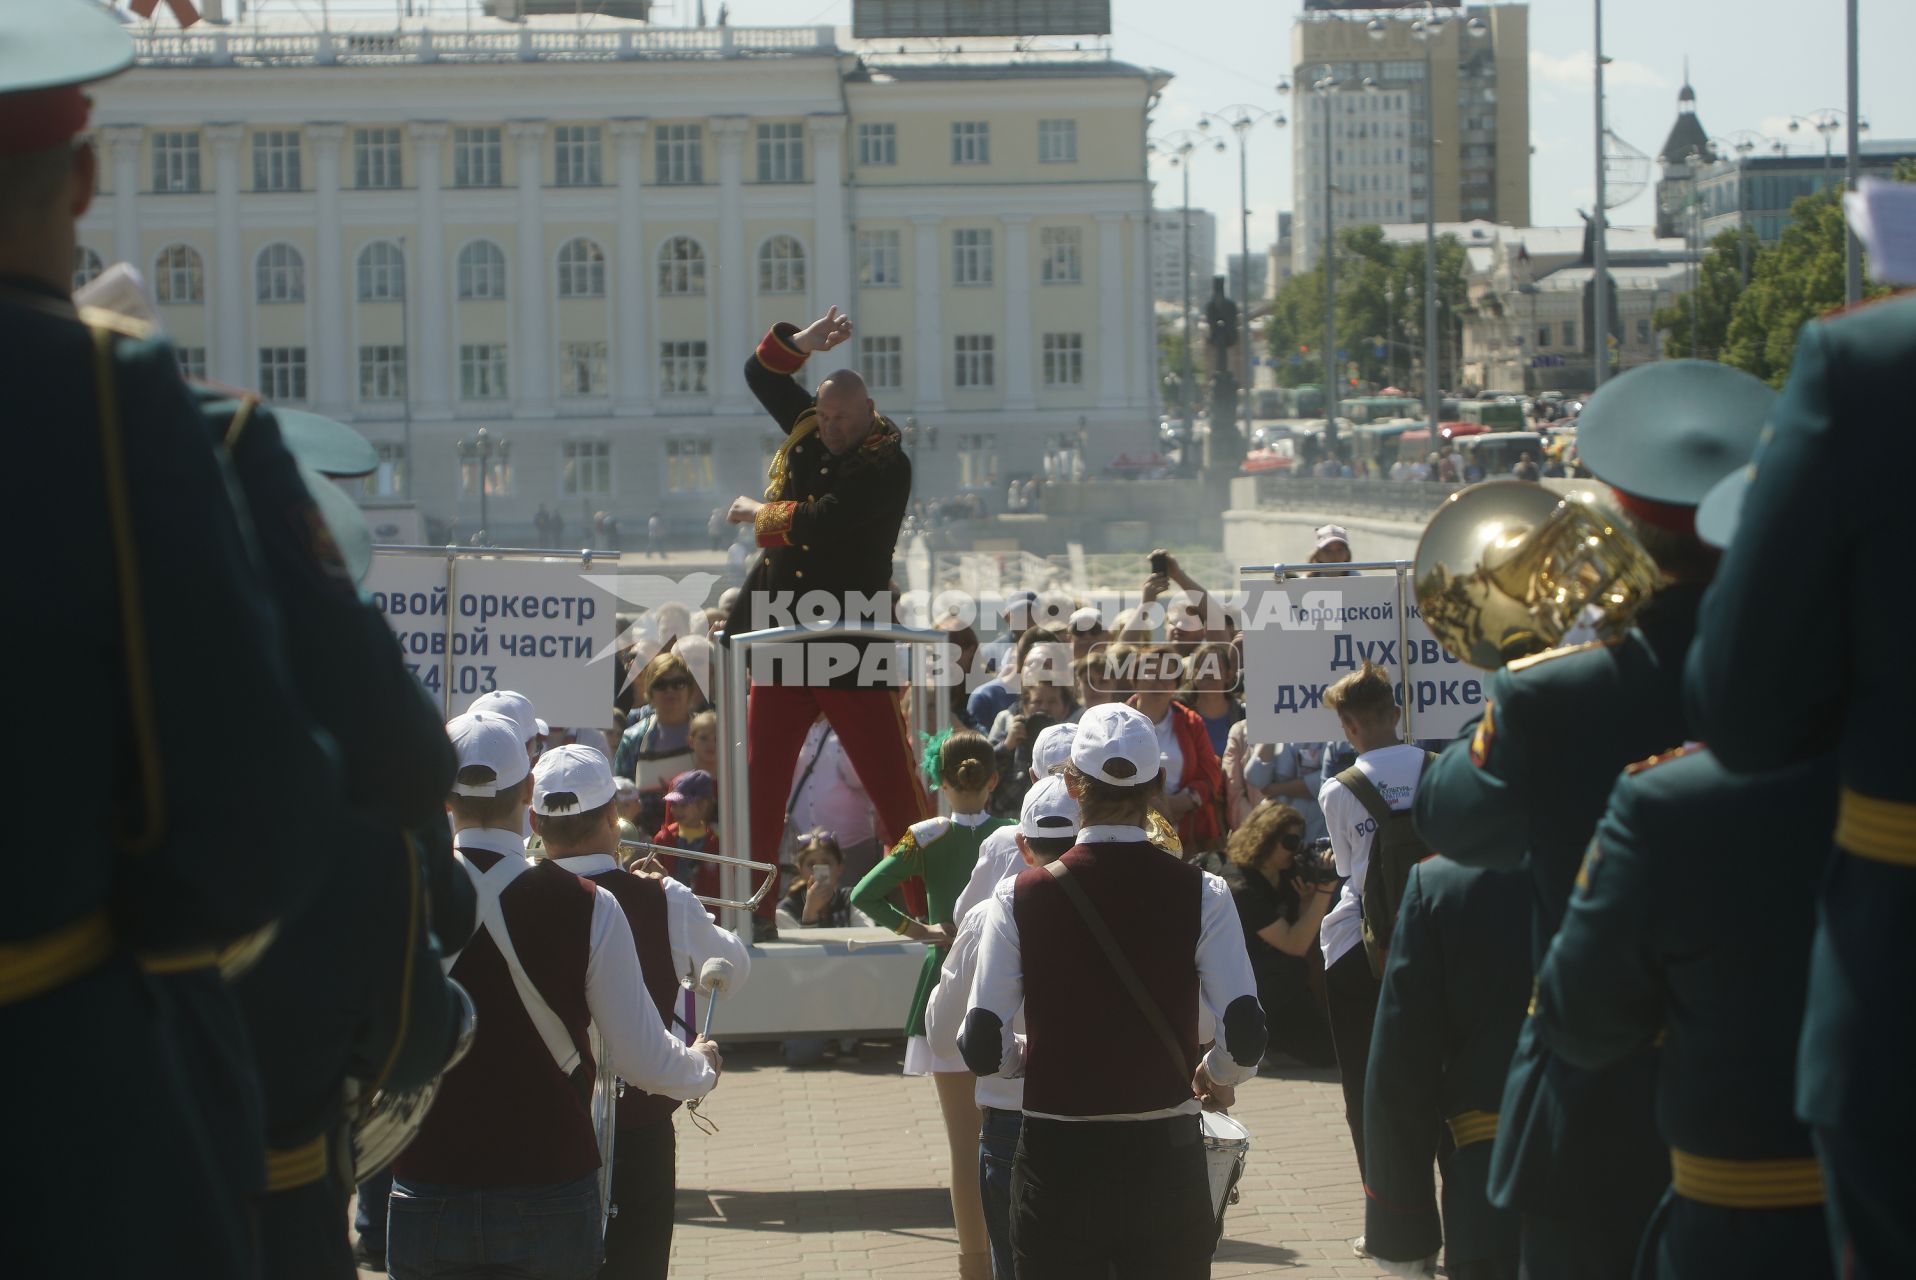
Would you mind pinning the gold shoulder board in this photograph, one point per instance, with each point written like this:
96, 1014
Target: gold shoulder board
1525, 663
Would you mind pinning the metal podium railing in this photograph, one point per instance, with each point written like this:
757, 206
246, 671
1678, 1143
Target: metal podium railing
928, 710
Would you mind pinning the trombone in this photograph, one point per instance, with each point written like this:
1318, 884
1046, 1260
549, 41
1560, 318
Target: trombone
640, 850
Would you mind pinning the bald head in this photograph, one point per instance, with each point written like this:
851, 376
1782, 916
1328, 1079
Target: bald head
845, 411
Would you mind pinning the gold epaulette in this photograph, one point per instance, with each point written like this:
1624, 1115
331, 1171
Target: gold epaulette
1163, 833
129, 326
1525, 663
1661, 757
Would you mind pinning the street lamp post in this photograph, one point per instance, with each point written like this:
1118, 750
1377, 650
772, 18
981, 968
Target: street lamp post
1599, 228
1242, 119
1179, 146
1324, 86
1826, 121
405, 365
481, 449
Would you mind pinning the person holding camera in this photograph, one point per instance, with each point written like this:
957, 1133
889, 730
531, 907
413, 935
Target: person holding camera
1282, 888
818, 898
1044, 702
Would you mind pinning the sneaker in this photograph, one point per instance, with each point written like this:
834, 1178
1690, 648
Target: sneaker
764, 930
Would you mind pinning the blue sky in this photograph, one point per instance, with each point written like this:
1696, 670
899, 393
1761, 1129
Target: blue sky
1754, 63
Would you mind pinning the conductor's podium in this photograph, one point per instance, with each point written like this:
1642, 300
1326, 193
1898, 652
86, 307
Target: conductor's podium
823, 982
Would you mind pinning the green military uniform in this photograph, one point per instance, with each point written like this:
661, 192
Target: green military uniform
1577, 1151
1692, 922
1802, 650
1447, 1019
160, 837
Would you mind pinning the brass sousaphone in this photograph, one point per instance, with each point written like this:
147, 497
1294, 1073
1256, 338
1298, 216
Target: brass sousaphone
1509, 568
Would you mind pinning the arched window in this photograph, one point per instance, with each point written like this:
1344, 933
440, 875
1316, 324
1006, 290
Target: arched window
86, 266
581, 269
280, 274
681, 267
179, 275
482, 270
781, 266
382, 272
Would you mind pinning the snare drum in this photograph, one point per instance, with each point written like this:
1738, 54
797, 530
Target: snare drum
1226, 1143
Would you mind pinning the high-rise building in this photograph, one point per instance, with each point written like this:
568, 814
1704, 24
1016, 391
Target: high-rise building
1466, 86
1168, 266
1256, 287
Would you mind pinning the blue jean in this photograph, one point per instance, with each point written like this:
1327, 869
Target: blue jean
494, 1233
997, 1148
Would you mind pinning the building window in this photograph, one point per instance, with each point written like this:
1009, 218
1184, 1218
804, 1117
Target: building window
1543, 335
482, 371
376, 164
970, 142
498, 476
276, 160
974, 367
781, 153
682, 368
388, 479
977, 460
576, 156
178, 275
688, 464
882, 362
581, 269
1570, 333
1064, 360
1057, 141
282, 373
1061, 262
586, 468
880, 261
971, 257
581, 369
192, 361
478, 158
382, 272
382, 373
279, 275
482, 271
176, 161
680, 155
681, 268
781, 266
877, 144
87, 266
1643, 333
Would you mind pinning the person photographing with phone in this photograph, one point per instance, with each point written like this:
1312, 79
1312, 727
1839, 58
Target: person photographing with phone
818, 898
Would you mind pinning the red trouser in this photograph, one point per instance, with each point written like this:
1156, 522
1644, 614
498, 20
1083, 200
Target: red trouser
870, 724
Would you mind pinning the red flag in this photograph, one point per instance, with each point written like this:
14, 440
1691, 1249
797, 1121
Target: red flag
183, 11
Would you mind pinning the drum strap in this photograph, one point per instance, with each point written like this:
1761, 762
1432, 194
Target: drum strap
492, 918
1126, 974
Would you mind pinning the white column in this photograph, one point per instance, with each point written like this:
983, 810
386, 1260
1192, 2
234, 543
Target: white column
1144, 338
427, 294
731, 258
1014, 269
329, 279
1113, 334
228, 360
831, 271
928, 287
630, 383
532, 336
123, 140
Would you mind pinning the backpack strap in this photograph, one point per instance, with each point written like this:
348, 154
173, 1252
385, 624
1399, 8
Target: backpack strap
1354, 781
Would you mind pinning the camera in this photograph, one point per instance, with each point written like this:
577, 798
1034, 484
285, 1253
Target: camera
1036, 723
1314, 864
1160, 563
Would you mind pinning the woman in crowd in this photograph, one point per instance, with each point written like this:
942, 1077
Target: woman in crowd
1280, 915
658, 746
1211, 690
943, 852
1290, 772
1193, 783
1042, 703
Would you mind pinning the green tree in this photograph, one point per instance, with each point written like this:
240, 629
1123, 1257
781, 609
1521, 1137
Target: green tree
1720, 278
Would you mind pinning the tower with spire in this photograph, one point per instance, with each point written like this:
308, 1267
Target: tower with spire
1687, 145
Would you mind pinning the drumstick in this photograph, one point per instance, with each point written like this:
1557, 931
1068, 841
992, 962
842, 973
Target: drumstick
715, 977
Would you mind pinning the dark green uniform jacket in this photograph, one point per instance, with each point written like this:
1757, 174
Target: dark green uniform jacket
1447, 1017
1692, 920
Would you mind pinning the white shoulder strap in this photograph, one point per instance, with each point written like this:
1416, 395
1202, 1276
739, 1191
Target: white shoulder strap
492, 918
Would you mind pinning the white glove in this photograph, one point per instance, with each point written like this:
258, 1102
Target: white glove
715, 976
1423, 1267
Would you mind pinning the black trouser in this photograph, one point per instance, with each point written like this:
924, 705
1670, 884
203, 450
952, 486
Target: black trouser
303, 1233
638, 1242
1869, 1182
1482, 1269
1124, 1198
1351, 993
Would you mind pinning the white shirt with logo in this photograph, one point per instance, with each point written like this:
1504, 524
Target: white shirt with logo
1394, 771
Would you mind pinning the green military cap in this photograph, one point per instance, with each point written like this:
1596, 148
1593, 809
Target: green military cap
48, 50
1664, 433
1722, 508
345, 522
328, 447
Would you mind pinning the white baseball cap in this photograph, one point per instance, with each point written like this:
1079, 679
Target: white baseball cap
1087, 619
1117, 744
515, 707
1052, 749
1329, 533
571, 780
488, 741
1049, 812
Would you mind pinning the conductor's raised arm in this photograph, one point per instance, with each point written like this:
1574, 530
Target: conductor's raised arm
770, 369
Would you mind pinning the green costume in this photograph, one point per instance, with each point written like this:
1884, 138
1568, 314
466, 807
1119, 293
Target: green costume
1692, 921
942, 851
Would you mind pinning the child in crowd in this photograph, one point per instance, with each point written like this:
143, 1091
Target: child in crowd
688, 825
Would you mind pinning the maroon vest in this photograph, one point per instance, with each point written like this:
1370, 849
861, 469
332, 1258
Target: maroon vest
1090, 1051
645, 906
505, 1116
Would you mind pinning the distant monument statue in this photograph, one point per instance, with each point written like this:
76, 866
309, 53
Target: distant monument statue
1220, 313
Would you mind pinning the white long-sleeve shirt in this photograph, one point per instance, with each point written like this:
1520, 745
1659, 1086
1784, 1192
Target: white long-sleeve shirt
692, 934
945, 1013
998, 857
1223, 965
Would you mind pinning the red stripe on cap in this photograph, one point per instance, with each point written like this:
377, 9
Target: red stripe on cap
40, 118
1662, 515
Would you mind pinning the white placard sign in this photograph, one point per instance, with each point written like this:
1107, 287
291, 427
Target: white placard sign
1302, 636
469, 626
